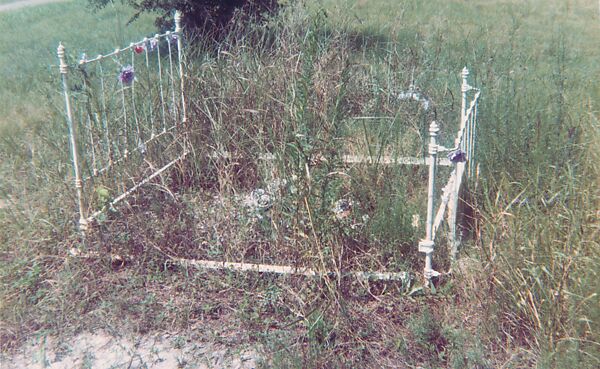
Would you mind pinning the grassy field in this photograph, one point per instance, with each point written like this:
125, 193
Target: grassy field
29, 40
524, 291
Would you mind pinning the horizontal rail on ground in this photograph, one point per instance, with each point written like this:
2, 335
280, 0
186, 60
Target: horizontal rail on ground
354, 159
287, 269
257, 268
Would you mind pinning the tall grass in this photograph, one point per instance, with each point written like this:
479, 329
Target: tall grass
302, 89
294, 93
538, 198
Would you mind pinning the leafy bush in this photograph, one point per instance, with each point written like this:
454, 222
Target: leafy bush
210, 17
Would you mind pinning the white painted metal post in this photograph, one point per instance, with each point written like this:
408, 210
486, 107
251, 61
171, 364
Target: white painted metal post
64, 69
179, 33
427, 245
433, 149
459, 168
466, 116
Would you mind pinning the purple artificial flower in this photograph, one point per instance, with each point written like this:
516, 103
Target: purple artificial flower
457, 156
127, 75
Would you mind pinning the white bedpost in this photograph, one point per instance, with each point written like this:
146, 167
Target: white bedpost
427, 245
64, 69
459, 168
179, 33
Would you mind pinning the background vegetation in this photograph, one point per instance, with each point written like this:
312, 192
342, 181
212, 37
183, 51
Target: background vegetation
524, 291
209, 17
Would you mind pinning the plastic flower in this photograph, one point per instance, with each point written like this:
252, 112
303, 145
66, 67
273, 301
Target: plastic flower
261, 199
342, 208
138, 49
127, 75
457, 156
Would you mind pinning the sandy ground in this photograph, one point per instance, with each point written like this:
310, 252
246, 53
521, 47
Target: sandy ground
102, 350
23, 3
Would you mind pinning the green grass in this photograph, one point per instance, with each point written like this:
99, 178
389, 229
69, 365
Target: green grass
28, 58
526, 281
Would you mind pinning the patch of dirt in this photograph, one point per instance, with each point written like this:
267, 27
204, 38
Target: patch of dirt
103, 350
17, 4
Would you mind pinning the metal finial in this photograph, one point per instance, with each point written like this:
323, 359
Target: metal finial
433, 128
465, 85
60, 51
465, 73
177, 21
433, 132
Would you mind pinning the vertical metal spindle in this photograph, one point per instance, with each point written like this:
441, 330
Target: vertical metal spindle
171, 75
139, 139
427, 245
179, 33
160, 83
64, 70
469, 140
465, 88
472, 139
466, 143
126, 128
150, 99
463, 104
107, 139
